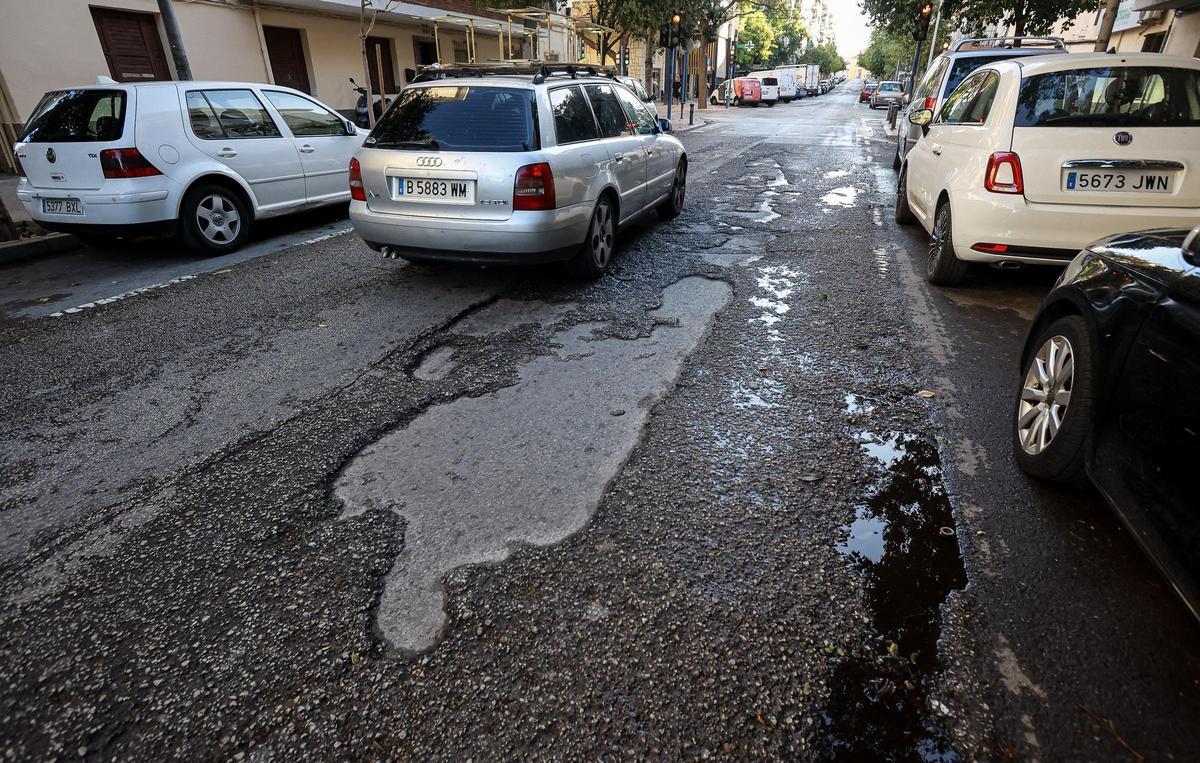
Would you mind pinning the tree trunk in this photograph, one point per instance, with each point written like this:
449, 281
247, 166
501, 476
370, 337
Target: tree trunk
1110, 18
704, 53
1018, 22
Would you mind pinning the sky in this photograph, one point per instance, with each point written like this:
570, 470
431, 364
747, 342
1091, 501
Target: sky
850, 26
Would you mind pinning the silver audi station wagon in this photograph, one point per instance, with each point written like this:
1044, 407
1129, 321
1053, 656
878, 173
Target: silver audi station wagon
496, 165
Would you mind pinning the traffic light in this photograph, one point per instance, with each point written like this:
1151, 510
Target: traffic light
924, 11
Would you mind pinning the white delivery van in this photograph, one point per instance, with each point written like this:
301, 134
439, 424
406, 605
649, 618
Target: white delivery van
770, 87
786, 79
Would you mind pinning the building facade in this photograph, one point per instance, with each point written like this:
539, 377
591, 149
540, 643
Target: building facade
310, 45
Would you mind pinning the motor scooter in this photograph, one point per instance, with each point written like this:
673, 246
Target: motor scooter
360, 109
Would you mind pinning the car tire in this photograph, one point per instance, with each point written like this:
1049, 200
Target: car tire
1057, 456
670, 209
942, 266
896, 160
904, 213
596, 252
771, 105
213, 220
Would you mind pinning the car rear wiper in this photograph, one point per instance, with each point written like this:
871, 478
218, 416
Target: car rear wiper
431, 144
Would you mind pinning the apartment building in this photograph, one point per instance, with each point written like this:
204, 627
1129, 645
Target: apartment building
310, 45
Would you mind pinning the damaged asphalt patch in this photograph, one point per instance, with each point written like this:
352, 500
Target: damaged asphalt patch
525, 464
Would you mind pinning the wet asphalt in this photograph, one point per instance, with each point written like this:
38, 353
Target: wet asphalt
311, 503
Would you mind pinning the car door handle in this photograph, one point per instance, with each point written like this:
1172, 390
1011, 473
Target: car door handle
936, 150
306, 149
618, 158
227, 153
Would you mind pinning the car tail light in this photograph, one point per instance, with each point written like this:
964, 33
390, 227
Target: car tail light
991, 248
126, 163
534, 188
1004, 173
357, 191
20, 169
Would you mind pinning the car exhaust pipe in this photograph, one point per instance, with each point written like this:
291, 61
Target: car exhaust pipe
390, 253
1008, 265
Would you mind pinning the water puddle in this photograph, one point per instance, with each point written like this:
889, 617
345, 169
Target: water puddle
836, 174
841, 197
902, 540
857, 405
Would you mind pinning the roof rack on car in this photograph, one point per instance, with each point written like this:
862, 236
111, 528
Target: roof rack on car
541, 70
1007, 42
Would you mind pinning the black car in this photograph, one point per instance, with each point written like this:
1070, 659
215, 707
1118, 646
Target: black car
1110, 390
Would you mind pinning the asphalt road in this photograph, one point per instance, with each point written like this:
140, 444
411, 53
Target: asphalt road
306, 502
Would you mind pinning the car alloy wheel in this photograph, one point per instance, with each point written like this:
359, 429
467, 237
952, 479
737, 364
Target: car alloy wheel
673, 206
942, 267
602, 236
1046, 394
218, 219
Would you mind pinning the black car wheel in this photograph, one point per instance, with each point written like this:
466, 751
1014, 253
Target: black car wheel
213, 220
942, 267
1054, 403
896, 160
671, 208
594, 256
904, 214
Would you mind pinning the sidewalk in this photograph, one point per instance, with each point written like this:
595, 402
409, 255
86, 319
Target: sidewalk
680, 123
29, 245
8, 195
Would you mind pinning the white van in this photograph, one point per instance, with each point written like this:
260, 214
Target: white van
770, 87
785, 76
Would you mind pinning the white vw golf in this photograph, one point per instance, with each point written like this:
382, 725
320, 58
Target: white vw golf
1031, 159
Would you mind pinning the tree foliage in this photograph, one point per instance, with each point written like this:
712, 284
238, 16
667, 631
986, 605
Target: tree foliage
1035, 17
890, 51
756, 39
826, 56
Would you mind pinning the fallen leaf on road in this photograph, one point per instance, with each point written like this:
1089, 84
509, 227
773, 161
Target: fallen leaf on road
926, 393
810, 477
222, 272
322, 325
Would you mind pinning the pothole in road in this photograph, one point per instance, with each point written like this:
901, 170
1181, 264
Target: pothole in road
841, 197
437, 364
902, 540
478, 476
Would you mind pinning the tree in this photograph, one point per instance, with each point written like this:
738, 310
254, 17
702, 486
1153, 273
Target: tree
1035, 17
368, 11
790, 34
758, 36
826, 56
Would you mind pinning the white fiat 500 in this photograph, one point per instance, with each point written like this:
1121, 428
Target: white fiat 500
204, 159
1031, 159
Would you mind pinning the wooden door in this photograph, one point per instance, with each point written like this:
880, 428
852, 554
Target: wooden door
286, 51
131, 45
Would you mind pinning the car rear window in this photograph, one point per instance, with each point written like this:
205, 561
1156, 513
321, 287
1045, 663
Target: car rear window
889, 86
77, 116
770, 81
1118, 96
962, 67
459, 118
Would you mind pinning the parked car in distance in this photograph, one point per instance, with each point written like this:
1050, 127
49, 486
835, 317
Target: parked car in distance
635, 85
952, 67
201, 159
1029, 159
868, 88
1107, 390
496, 166
886, 94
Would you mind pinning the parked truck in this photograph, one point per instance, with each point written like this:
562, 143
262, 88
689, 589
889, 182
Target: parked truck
812, 79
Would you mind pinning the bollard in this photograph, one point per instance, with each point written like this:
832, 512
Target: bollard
893, 110
691, 113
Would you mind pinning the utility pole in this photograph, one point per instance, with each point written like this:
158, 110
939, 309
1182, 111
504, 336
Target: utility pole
1106, 25
920, 32
182, 69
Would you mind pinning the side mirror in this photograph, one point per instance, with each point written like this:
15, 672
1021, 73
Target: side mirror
921, 118
664, 125
1191, 246
649, 98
